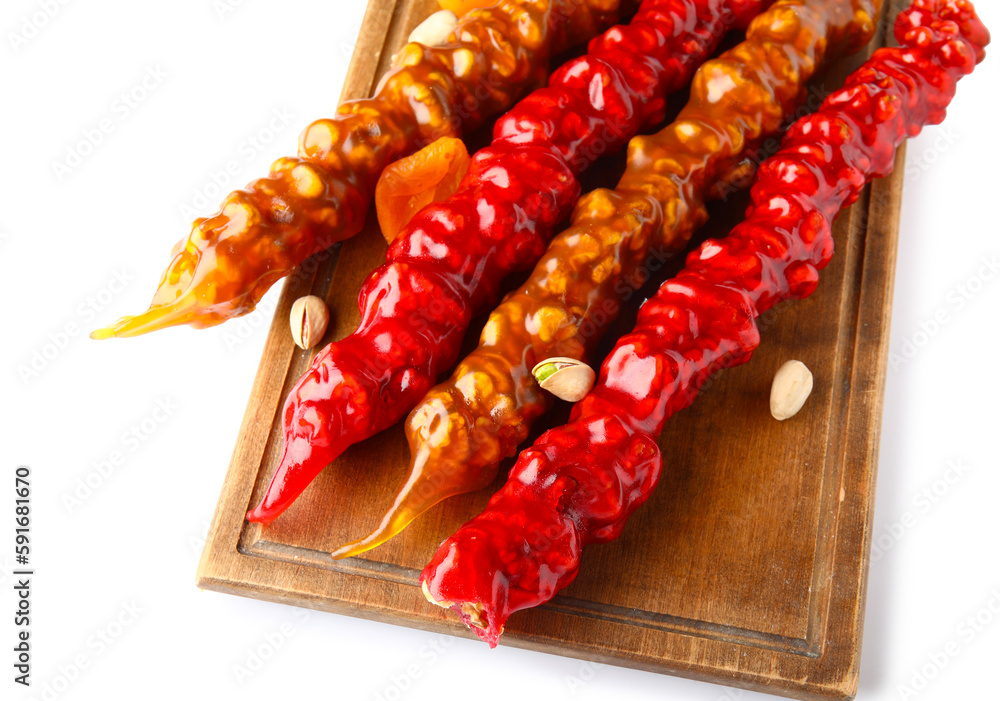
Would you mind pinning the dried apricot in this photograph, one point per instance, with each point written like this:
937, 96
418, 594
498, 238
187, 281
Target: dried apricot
410, 184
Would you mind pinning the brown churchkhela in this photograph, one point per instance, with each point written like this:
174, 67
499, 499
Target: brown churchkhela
579, 483
311, 201
449, 262
466, 425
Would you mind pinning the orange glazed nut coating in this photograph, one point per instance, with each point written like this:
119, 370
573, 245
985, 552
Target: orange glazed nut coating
467, 424
311, 201
460, 7
577, 287
410, 184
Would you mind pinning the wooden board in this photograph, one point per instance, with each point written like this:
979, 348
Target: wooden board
747, 566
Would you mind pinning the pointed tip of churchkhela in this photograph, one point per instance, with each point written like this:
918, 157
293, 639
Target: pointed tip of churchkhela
398, 517
268, 509
303, 457
158, 316
260, 515
422, 490
362, 545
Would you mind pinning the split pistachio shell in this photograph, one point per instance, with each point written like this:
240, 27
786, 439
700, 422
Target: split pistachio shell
567, 378
434, 30
791, 387
308, 319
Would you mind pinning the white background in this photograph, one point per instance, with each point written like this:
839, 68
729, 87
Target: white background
134, 543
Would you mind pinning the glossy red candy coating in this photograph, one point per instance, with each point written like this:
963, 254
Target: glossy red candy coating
449, 262
579, 483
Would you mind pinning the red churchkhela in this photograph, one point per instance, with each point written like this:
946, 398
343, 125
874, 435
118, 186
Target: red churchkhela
578, 483
447, 265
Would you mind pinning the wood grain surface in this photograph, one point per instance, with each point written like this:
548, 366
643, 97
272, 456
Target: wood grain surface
747, 566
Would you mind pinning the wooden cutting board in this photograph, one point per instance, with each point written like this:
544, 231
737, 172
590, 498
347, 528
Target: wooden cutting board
747, 566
